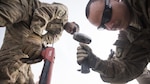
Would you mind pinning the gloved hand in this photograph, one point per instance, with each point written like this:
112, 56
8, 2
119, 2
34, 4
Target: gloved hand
84, 53
32, 46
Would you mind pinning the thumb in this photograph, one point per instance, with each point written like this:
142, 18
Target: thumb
85, 47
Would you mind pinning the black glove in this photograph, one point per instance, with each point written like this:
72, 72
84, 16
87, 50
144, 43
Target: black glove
84, 53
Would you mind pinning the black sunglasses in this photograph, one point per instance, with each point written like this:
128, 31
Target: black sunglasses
106, 14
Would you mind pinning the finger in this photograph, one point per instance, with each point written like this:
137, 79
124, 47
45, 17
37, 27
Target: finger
80, 59
38, 53
81, 51
85, 47
35, 54
31, 54
33, 61
30, 61
24, 60
79, 47
82, 55
82, 43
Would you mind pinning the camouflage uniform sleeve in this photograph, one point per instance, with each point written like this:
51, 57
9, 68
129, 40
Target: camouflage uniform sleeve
51, 18
129, 62
12, 11
45, 17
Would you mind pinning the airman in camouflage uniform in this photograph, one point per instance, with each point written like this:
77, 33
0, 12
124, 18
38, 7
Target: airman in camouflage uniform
25, 22
132, 19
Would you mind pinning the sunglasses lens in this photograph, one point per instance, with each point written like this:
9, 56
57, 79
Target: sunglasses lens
107, 14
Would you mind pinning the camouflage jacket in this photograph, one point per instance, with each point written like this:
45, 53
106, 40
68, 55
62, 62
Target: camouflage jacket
22, 18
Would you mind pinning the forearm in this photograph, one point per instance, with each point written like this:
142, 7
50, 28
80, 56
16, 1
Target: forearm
124, 68
128, 64
119, 70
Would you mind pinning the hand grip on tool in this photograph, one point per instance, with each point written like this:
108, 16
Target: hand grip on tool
82, 38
